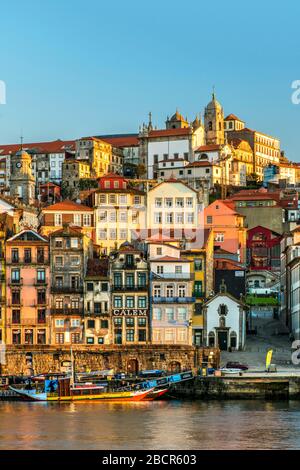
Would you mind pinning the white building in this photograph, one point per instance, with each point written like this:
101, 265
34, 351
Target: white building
172, 206
224, 322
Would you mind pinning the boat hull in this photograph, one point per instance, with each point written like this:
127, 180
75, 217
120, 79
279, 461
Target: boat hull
31, 395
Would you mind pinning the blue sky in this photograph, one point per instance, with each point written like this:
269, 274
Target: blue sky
75, 68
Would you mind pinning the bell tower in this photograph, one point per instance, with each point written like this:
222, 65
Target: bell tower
22, 181
214, 122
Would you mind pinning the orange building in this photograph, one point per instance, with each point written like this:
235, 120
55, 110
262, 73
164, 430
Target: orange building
230, 233
27, 279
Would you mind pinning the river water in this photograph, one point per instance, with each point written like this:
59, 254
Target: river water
151, 425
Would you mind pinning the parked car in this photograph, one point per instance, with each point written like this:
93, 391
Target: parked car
236, 365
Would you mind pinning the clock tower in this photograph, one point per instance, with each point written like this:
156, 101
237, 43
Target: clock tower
22, 181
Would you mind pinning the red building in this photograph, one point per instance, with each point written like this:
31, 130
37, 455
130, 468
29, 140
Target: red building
263, 249
50, 193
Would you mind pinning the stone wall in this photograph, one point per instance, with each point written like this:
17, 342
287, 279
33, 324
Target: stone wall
29, 360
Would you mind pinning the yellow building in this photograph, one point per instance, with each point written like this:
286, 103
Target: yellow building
101, 155
203, 280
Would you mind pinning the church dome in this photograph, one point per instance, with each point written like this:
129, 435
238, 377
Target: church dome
214, 104
22, 153
177, 117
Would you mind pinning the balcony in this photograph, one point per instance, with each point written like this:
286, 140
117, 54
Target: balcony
130, 288
176, 276
169, 300
16, 282
66, 311
67, 289
40, 282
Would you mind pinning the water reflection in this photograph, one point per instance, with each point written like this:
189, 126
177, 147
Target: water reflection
150, 425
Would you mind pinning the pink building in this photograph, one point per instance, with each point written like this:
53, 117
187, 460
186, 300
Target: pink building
230, 233
27, 287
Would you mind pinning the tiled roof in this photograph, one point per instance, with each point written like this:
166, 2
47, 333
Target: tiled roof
199, 163
122, 140
170, 259
232, 117
208, 148
97, 267
68, 205
56, 146
170, 132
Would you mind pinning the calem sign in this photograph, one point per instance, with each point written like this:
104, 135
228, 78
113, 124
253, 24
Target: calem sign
128, 312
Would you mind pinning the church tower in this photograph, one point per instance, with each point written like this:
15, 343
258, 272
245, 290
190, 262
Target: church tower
214, 122
22, 181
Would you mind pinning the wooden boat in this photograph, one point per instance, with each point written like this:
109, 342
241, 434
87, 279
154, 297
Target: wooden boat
61, 390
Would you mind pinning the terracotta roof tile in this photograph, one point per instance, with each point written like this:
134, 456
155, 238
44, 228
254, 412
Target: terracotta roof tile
68, 205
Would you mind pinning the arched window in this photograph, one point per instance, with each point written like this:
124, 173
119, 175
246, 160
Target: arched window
210, 128
211, 339
222, 321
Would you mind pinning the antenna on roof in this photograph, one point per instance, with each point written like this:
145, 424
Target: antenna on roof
21, 139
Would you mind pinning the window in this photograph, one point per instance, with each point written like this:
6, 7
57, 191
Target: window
158, 202
15, 255
209, 219
123, 234
58, 243
15, 297
178, 269
59, 323
41, 315
169, 217
75, 322
16, 316
129, 335
113, 234
41, 297
77, 219
123, 199
90, 340
28, 336
170, 290
40, 255
102, 216
112, 199
190, 218
117, 301
57, 219
189, 202
129, 302
15, 276
142, 336
179, 218
118, 279
198, 264
27, 255
104, 324
168, 202
142, 279
123, 216
90, 286
113, 216
41, 276
102, 199
169, 335
87, 220
157, 217
16, 336
142, 302
75, 338
97, 307
198, 288
182, 314
160, 269
75, 260
181, 290
129, 280
156, 290
179, 202
74, 243
136, 200
157, 315
130, 321
159, 251
103, 234
41, 336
